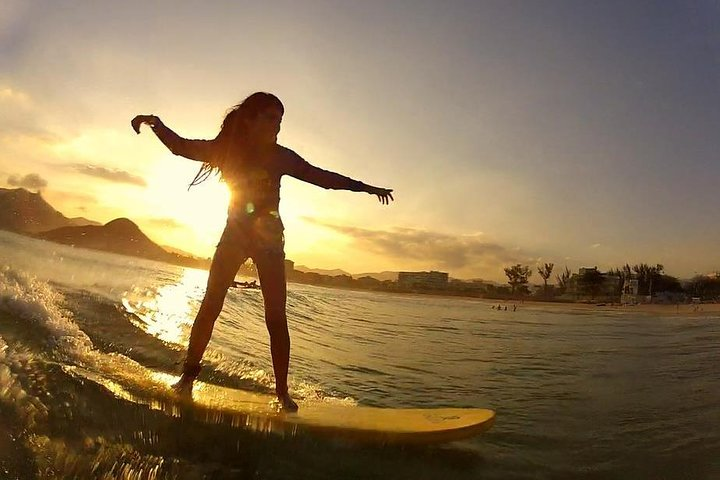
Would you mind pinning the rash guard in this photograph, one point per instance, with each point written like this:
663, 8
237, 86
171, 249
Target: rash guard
255, 182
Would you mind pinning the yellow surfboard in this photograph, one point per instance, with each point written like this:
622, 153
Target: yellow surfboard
256, 411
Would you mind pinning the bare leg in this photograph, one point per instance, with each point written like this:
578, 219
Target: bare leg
271, 270
226, 262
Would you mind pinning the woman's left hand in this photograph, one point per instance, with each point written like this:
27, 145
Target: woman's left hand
384, 194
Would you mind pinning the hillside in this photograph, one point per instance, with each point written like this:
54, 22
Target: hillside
118, 236
25, 212
22, 211
382, 276
321, 271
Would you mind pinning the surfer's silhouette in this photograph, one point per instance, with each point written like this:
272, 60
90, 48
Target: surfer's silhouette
247, 155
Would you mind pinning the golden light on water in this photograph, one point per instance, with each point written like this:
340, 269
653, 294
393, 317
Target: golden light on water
168, 312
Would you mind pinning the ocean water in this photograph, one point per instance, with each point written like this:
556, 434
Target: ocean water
578, 394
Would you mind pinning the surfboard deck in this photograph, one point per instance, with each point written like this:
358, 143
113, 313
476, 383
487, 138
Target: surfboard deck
257, 411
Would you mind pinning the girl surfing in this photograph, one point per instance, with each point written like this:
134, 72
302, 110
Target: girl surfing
251, 162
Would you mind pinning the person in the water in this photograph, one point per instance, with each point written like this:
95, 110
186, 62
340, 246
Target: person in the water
247, 155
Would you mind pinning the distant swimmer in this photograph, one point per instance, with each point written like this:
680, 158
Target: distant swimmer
251, 162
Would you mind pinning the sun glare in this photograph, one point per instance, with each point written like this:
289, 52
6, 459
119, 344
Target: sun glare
198, 214
166, 313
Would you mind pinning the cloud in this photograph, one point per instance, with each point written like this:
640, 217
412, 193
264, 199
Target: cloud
470, 254
31, 181
79, 197
8, 94
26, 128
165, 222
15, 133
21, 118
113, 175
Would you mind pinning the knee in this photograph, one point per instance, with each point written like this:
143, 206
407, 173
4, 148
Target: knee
277, 326
213, 301
275, 312
217, 285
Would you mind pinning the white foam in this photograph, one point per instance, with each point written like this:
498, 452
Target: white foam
27, 298
301, 390
29, 409
310, 393
33, 300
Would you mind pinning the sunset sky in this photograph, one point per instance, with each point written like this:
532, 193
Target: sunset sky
575, 132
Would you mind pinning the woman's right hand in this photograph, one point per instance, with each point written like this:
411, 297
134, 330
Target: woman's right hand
151, 120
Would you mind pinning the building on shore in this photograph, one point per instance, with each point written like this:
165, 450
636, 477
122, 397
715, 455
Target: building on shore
423, 280
470, 286
630, 291
591, 284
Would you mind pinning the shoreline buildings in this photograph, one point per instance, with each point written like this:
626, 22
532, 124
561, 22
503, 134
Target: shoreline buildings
423, 280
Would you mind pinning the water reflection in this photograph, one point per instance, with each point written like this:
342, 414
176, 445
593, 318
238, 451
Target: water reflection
167, 312
153, 389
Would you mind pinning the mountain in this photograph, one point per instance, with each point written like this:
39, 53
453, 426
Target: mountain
80, 221
382, 276
332, 273
118, 236
177, 251
27, 212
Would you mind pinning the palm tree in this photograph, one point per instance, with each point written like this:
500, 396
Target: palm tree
646, 275
563, 279
590, 282
545, 271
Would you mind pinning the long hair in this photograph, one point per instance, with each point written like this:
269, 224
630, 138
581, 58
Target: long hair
232, 131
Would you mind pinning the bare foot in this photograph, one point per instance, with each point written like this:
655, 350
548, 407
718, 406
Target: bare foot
286, 403
183, 387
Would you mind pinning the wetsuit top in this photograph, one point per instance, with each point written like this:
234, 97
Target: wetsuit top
255, 182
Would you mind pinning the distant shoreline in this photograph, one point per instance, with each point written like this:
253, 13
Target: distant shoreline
646, 308
685, 309
664, 309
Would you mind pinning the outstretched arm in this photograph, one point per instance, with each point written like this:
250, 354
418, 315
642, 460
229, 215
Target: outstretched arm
199, 150
302, 170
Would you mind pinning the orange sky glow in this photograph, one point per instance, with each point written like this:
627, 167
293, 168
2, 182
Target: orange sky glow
502, 147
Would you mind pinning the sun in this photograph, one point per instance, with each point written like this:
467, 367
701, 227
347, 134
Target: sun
195, 217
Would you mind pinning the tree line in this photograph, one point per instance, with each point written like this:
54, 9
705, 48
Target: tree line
651, 280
